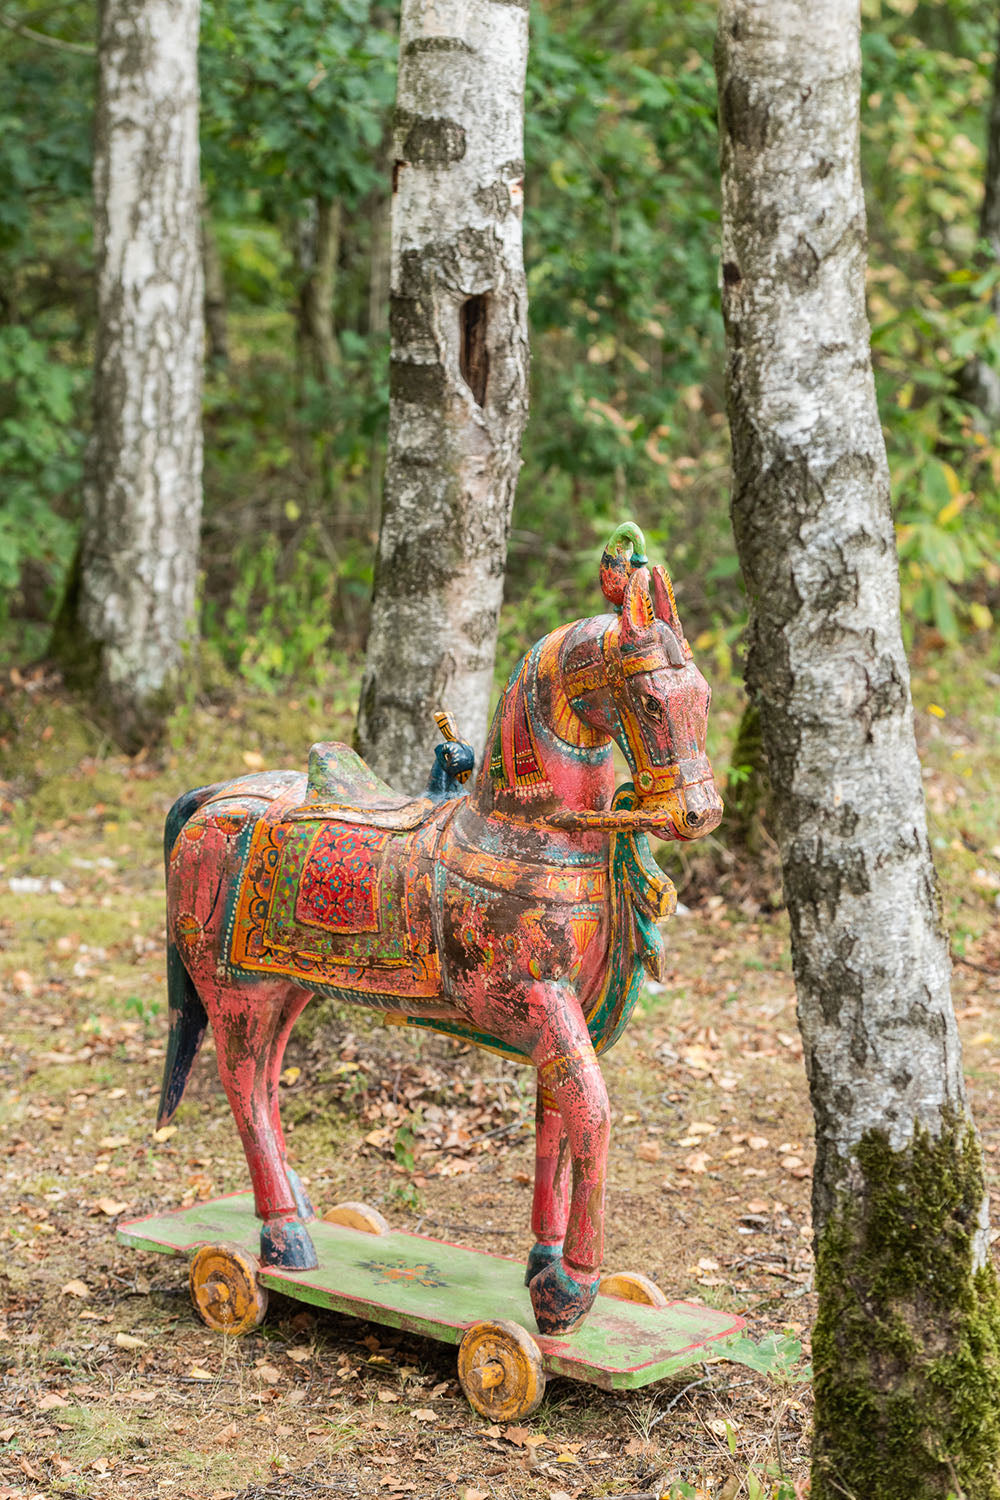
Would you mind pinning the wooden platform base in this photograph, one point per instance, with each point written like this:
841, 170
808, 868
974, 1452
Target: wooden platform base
440, 1290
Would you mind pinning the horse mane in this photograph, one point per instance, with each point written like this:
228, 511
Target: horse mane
534, 725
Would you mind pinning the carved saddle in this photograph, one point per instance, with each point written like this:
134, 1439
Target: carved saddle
341, 787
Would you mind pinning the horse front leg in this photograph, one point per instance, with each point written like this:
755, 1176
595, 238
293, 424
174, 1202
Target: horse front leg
563, 1292
550, 1205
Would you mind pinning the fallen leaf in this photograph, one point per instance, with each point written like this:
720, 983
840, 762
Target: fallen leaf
253, 759
789, 1163
291, 1075
758, 1206
269, 1373
757, 1142
471, 1494
197, 1372
649, 1151
708, 1264
560, 1495
299, 1354
75, 1288
8, 1434
696, 1162
424, 1414
111, 1206
50, 1401
295, 1397
130, 1341
112, 1142
164, 1133
386, 1395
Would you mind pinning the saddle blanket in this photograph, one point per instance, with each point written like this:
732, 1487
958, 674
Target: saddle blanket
338, 905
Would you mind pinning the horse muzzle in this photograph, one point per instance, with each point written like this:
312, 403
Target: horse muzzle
688, 811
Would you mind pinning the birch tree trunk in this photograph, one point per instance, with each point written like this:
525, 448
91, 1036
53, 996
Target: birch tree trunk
907, 1375
132, 609
458, 378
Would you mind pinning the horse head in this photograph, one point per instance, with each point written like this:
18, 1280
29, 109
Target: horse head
631, 677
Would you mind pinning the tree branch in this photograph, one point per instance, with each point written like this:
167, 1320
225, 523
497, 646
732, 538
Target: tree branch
80, 48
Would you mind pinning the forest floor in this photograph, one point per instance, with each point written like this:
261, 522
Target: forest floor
109, 1385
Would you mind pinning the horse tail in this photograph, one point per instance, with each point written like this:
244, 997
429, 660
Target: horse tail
188, 1017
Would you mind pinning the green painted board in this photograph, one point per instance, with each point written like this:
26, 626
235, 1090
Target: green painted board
436, 1289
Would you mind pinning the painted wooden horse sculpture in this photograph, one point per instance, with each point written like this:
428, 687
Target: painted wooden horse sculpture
519, 917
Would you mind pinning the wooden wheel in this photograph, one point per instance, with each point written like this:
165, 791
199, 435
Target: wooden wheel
632, 1286
500, 1370
225, 1290
357, 1216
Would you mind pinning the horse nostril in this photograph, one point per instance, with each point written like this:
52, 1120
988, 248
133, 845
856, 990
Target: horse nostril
694, 820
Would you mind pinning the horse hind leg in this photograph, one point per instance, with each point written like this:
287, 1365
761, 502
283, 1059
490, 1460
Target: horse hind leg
296, 1001
246, 1025
550, 1205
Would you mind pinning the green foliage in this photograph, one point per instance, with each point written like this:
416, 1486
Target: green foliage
40, 458
295, 98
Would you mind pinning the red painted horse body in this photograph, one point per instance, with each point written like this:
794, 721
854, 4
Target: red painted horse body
518, 917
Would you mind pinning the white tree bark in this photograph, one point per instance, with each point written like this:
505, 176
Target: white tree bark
458, 378
898, 1200
143, 499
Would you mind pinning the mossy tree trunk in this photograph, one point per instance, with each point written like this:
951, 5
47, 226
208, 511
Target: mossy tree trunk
458, 380
131, 605
906, 1347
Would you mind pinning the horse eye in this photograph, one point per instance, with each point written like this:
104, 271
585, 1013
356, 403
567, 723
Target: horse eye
651, 706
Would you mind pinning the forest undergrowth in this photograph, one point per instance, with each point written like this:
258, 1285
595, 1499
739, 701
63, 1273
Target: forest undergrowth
110, 1387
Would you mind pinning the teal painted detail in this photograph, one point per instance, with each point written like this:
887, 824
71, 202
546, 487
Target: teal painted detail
628, 531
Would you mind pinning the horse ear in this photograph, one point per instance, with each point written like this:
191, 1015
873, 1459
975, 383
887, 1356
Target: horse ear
637, 608
664, 604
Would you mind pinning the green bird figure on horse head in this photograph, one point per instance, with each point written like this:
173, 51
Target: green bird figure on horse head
519, 916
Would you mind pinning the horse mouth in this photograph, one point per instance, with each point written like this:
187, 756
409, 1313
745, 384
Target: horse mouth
683, 824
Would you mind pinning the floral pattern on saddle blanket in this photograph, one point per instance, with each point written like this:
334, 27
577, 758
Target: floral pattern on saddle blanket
338, 905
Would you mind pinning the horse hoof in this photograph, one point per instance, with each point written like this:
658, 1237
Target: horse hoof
302, 1203
286, 1243
540, 1256
561, 1302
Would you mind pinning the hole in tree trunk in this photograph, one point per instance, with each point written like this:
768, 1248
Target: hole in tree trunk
474, 361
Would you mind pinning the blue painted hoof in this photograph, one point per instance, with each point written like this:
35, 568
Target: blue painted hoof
302, 1203
286, 1243
540, 1256
561, 1302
